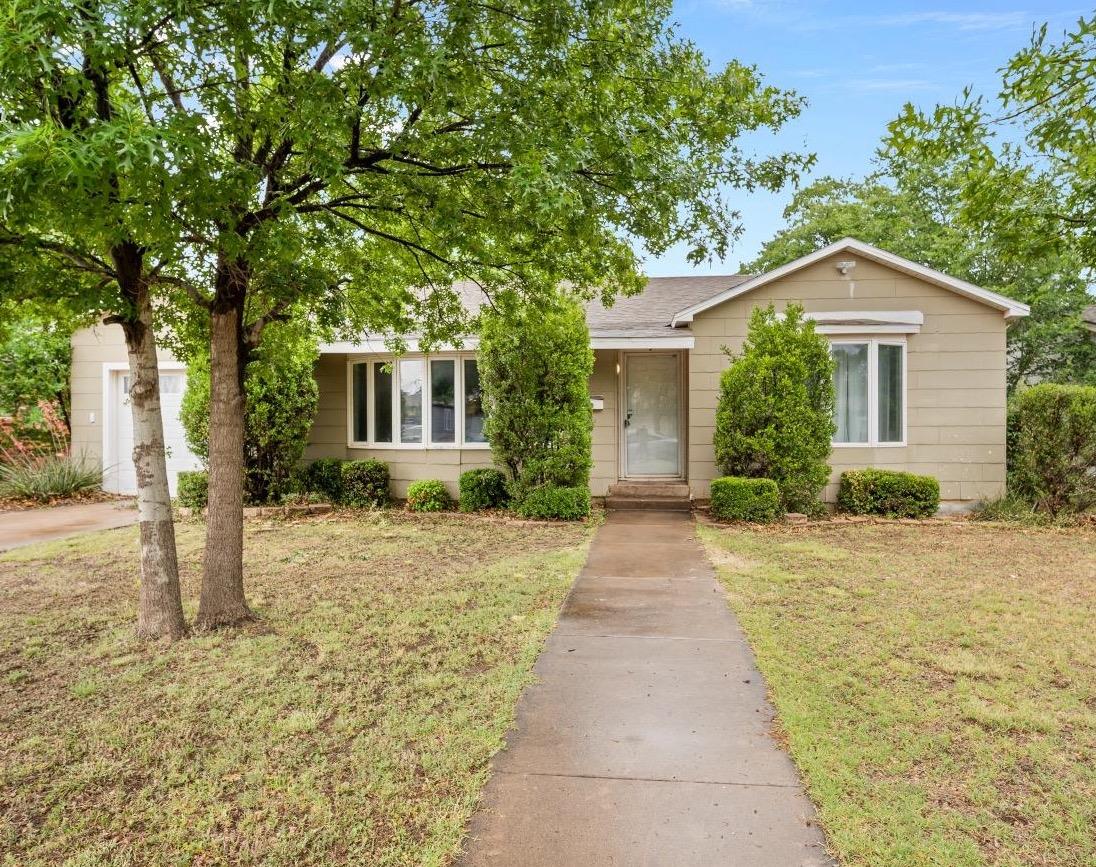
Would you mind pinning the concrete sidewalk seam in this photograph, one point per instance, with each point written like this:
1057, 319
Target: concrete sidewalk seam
648, 779
653, 637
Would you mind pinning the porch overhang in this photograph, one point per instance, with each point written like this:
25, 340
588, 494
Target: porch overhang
674, 341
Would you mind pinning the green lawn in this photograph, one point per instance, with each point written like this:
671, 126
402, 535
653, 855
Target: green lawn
935, 684
352, 725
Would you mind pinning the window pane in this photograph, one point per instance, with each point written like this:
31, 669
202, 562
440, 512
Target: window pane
411, 380
443, 406
360, 406
850, 382
890, 393
382, 403
473, 404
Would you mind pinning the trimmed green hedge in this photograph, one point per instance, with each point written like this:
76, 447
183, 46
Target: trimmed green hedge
483, 488
428, 495
193, 489
889, 493
739, 499
1052, 447
364, 483
324, 477
568, 504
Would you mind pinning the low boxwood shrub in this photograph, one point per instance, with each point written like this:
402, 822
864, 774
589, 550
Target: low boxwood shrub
325, 477
193, 489
549, 501
740, 499
364, 483
889, 493
483, 488
428, 495
1053, 441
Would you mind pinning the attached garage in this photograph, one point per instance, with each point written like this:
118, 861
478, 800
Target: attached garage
102, 426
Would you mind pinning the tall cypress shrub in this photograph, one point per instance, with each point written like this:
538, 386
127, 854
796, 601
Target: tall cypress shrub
775, 415
535, 367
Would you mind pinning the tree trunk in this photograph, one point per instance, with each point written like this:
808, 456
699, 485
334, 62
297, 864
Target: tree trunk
160, 606
222, 601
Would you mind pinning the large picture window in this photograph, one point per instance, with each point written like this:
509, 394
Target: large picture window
869, 381
415, 402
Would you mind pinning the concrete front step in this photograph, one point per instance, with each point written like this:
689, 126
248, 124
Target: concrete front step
664, 504
649, 489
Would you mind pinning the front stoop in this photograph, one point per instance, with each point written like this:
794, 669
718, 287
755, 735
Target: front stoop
665, 496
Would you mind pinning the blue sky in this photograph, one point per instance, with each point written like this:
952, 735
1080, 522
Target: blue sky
857, 63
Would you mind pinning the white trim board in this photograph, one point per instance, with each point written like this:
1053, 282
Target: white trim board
867, 321
378, 346
1010, 308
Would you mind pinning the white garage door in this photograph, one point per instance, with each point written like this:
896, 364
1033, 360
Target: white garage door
119, 475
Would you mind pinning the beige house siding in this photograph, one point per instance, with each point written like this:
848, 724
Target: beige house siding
955, 425
955, 367
606, 441
91, 349
329, 434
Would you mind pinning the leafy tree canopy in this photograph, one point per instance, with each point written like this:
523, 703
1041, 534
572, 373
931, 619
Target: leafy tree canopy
322, 145
1023, 184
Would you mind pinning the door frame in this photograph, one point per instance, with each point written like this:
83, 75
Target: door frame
682, 415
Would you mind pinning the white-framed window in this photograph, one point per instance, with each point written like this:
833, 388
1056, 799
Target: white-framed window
869, 381
414, 402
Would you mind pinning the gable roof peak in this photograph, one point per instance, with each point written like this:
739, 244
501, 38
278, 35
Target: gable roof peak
1010, 308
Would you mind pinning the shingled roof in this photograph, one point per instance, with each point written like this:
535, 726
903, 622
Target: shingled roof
649, 314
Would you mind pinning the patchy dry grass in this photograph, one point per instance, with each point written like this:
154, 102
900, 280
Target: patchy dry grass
937, 685
352, 725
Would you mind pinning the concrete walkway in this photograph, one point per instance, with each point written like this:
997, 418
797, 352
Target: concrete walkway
646, 741
57, 522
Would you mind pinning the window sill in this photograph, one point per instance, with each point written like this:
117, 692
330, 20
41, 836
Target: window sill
420, 447
900, 445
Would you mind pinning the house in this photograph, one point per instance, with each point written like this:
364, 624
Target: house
920, 381
1088, 318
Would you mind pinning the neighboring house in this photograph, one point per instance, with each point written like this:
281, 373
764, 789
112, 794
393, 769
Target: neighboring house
1088, 318
920, 380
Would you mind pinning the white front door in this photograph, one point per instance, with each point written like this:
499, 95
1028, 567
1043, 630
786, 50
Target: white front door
119, 474
652, 415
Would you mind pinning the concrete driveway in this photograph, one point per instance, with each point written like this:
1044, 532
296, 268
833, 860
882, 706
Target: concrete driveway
647, 740
57, 522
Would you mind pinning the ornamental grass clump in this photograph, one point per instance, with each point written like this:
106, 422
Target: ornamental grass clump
35, 461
